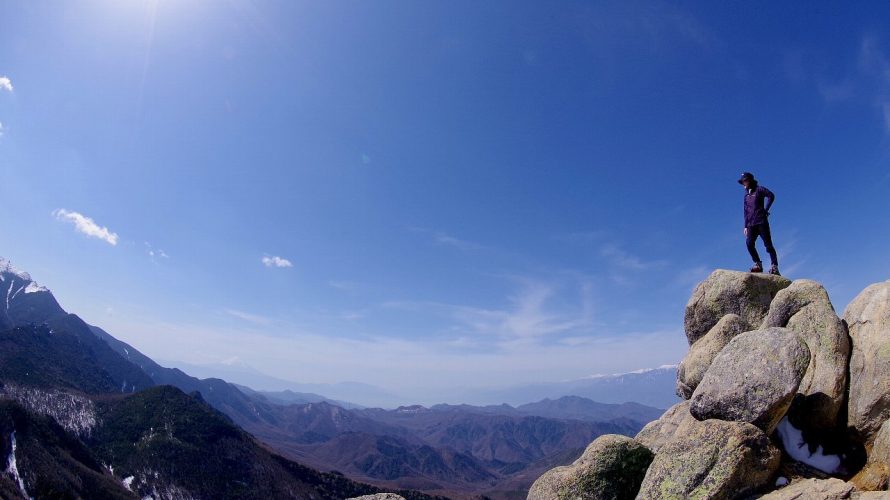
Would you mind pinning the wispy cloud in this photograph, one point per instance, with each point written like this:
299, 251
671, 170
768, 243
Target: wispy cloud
155, 253
5, 83
873, 62
86, 225
870, 80
446, 239
276, 261
443, 238
692, 276
619, 257
1, 129
535, 310
251, 318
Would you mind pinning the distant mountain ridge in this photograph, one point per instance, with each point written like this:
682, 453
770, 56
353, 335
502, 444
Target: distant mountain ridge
445, 449
651, 387
128, 435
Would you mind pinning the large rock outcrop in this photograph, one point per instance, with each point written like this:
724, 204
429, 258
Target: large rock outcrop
753, 379
702, 353
713, 460
868, 319
730, 292
805, 308
770, 366
675, 421
611, 468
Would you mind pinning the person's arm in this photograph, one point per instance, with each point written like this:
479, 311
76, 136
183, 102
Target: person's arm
770, 198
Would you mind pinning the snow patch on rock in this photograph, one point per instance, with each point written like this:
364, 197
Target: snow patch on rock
798, 449
34, 288
12, 467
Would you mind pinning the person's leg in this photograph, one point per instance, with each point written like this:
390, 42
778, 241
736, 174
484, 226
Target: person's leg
768, 242
749, 241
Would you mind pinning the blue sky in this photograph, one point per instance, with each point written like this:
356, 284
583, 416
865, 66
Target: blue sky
422, 195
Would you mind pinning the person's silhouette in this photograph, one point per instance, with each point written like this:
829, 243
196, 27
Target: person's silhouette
757, 221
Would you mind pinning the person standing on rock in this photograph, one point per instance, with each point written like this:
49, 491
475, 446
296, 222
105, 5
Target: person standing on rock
757, 221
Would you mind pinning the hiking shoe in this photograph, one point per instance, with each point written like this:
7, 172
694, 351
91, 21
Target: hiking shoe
757, 268
774, 269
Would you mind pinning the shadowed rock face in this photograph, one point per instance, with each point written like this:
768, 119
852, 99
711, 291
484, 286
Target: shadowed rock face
702, 353
875, 474
747, 295
612, 467
713, 460
868, 318
753, 379
805, 308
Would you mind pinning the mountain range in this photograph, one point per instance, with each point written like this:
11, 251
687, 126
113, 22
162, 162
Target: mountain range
652, 387
138, 423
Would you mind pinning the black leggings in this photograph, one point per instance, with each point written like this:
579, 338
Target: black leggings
761, 230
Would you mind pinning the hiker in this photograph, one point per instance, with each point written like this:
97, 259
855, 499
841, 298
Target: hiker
757, 221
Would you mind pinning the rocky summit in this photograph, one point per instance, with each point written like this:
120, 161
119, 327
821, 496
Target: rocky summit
782, 399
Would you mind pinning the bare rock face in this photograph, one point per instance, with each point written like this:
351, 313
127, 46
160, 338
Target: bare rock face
876, 473
612, 467
712, 460
868, 319
675, 421
702, 353
805, 308
747, 295
810, 489
753, 379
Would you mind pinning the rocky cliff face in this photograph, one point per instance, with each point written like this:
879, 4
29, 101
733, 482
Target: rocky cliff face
783, 399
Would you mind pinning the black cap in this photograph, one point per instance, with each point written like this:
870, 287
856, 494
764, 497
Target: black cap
746, 176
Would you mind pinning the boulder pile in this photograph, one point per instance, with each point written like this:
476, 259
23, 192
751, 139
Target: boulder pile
780, 398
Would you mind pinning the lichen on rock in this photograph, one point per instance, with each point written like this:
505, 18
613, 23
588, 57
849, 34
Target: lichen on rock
713, 460
611, 468
753, 379
747, 295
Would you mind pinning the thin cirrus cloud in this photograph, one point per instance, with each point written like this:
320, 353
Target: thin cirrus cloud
276, 261
5, 83
86, 225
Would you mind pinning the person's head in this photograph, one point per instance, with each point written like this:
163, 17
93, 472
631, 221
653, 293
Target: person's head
747, 180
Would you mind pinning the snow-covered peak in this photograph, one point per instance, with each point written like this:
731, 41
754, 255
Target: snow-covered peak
7, 271
641, 371
6, 267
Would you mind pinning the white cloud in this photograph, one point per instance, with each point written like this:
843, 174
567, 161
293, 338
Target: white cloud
5, 83
276, 261
1, 129
535, 311
86, 226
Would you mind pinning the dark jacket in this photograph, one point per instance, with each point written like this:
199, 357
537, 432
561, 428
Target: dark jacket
755, 211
